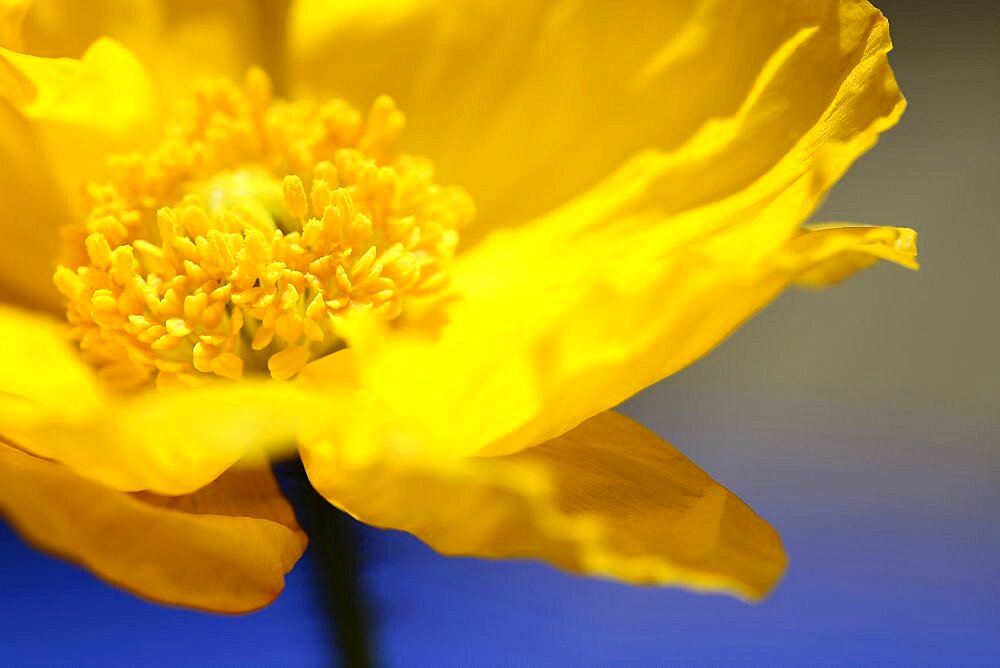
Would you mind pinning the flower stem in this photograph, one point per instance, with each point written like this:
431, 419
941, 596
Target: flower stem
334, 544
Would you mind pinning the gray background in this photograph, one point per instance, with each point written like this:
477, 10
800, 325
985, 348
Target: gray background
892, 374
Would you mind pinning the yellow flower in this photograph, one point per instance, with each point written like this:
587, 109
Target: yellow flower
235, 273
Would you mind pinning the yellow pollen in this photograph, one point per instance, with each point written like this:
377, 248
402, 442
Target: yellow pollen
247, 237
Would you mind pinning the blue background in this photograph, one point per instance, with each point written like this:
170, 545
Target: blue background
890, 564
863, 422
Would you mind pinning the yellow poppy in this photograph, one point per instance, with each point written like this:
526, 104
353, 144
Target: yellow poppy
197, 276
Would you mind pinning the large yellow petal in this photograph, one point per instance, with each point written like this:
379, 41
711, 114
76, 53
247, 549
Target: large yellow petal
529, 103
59, 119
178, 40
225, 548
639, 276
171, 443
608, 498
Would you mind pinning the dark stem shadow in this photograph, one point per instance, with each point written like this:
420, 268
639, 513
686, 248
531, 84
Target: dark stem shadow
333, 542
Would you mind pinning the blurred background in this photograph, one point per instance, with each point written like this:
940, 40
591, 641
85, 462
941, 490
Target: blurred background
863, 422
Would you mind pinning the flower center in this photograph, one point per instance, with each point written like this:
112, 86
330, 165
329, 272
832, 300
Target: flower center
245, 240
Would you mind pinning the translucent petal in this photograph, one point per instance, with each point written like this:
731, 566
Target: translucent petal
608, 498
225, 548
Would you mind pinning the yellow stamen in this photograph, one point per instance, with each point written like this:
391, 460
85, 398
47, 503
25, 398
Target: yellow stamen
246, 238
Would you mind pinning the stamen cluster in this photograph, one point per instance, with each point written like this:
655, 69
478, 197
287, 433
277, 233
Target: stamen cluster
249, 235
